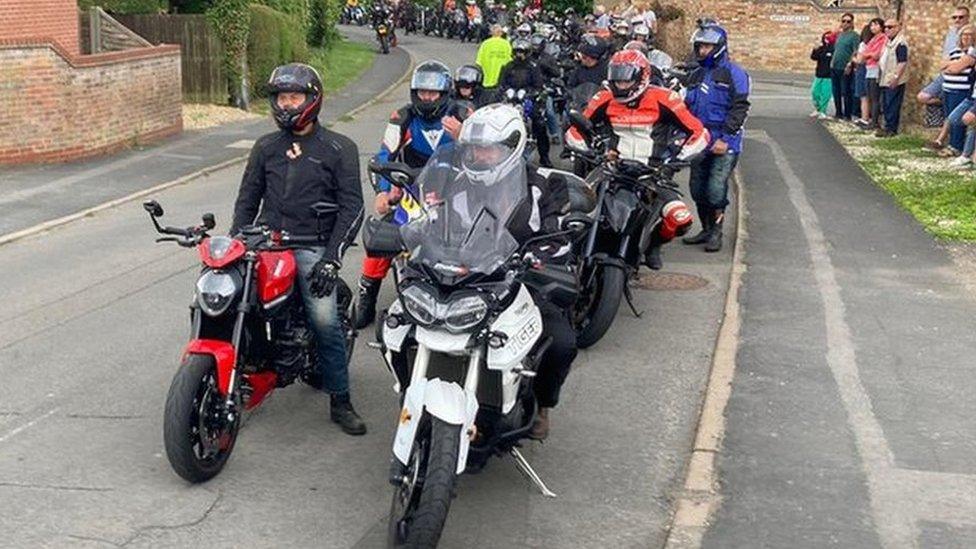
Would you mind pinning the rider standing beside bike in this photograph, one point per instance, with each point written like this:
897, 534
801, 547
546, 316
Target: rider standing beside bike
288, 171
718, 94
414, 132
523, 74
634, 110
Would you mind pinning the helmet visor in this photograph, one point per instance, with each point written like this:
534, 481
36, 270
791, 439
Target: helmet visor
485, 156
622, 73
706, 36
468, 75
433, 81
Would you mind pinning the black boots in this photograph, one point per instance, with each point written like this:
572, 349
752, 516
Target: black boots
714, 243
652, 258
369, 288
345, 416
705, 217
540, 428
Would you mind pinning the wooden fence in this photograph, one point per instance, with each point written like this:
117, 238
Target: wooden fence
204, 78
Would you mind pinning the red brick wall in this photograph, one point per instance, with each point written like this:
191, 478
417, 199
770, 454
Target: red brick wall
56, 20
57, 107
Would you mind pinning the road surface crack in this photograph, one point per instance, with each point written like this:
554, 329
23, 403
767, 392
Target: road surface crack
61, 487
143, 530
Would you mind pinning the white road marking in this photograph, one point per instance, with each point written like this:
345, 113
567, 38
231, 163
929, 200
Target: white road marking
898, 497
13, 432
241, 144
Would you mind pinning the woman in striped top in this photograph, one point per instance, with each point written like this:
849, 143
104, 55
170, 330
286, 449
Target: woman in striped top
957, 85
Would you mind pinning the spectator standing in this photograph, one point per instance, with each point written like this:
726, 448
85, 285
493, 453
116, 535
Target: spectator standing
894, 76
821, 90
493, 54
957, 86
841, 70
870, 56
957, 118
602, 19
860, 108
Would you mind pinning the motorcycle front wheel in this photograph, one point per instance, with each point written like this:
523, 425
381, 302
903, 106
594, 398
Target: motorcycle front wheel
197, 437
384, 45
597, 314
423, 498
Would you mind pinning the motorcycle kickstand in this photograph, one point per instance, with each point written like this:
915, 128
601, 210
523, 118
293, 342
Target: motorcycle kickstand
630, 301
527, 470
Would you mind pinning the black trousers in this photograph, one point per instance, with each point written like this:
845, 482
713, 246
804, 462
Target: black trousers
843, 88
541, 135
558, 358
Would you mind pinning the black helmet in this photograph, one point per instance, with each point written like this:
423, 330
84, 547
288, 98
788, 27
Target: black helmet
538, 43
521, 45
300, 78
469, 75
431, 76
592, 46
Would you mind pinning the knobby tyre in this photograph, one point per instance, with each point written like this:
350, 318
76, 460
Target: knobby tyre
596, 320
197, 444
418, 513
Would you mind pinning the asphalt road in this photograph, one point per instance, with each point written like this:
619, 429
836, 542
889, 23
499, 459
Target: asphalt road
91, 331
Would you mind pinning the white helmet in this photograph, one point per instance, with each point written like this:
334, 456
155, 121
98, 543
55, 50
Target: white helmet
642, 30
498, 126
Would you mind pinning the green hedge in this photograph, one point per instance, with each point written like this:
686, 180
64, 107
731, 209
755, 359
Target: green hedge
275, 38
125, 7
324, 16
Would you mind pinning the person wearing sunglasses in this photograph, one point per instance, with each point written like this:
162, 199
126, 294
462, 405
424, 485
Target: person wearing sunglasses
841, 70
931, 94
894, 76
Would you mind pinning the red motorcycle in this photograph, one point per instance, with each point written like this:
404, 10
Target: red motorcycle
249, 336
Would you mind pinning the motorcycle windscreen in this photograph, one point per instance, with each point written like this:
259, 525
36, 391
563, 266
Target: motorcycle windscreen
470, 193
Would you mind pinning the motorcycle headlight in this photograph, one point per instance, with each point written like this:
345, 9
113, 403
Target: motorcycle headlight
419, 304
465, 313
216, 291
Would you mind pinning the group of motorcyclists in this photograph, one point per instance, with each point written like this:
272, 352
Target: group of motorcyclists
476, 110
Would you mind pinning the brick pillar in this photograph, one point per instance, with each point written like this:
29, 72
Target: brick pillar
55, 20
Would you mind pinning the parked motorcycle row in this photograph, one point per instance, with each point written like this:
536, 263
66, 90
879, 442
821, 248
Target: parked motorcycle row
464, 336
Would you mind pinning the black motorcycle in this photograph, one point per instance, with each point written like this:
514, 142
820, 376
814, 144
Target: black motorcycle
630, 199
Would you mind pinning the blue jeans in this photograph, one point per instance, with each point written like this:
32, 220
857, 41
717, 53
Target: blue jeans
957, 130
552, 122
323, 318
955, 121
709, 180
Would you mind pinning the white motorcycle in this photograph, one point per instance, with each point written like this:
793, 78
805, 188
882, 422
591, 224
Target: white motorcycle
463, 338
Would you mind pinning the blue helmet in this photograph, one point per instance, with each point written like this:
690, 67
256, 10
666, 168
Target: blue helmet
710, 33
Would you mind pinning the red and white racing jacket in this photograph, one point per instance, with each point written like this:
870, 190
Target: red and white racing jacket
633, 123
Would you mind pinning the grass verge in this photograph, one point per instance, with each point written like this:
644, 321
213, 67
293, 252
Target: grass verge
338, 66
943, 200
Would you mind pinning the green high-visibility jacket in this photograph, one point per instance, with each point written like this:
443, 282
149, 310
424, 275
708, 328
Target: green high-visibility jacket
493, 54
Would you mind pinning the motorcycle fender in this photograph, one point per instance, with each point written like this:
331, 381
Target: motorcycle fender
445, 401
224, 356
521, 323
618, 207
442, 341
393, 338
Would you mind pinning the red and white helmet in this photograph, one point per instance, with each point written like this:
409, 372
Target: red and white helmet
628, 74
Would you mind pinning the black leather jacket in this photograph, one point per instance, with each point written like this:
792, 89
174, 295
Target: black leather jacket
286, 174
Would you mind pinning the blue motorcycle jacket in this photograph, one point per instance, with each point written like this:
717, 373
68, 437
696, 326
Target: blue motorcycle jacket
718, 95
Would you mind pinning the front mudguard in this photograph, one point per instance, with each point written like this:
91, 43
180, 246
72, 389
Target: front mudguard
445, 401
224, 356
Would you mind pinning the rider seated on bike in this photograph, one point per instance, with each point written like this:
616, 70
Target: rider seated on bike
288, 171
414, 132
592, 67
468, 87
635, 110
521, 73
472, 10
492, 142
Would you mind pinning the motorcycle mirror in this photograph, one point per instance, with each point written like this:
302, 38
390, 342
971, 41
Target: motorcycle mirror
581, 123
397, 173
153, 208
521, 94
209, 221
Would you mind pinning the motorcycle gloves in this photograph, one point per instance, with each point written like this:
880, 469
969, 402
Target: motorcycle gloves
323, 278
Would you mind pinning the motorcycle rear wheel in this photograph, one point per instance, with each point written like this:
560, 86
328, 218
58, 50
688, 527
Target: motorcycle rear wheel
420, 505
197, 449
595, 320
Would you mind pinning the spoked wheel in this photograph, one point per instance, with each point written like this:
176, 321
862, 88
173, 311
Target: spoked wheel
595, 314
423, 498
198, 437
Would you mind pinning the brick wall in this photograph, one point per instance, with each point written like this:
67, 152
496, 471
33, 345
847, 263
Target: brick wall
56, 20
57, 107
